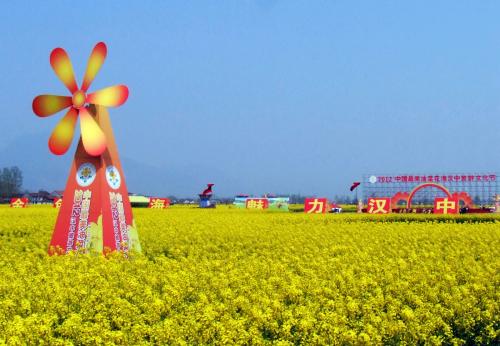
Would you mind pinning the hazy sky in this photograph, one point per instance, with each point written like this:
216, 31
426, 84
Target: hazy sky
263, 96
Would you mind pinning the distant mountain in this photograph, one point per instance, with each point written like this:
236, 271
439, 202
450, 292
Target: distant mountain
43, 170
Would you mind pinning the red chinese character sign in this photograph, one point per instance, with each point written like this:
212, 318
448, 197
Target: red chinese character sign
315, 205
159, 203
257, 203
95, 213
379, 205
18, 202
57, 202
445, 205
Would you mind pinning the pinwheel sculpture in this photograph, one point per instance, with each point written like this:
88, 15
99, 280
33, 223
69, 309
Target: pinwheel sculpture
95, 214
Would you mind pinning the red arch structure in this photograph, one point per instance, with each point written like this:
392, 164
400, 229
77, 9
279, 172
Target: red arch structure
423, 186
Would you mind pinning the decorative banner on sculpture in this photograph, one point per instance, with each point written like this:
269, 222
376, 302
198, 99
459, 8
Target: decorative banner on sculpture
159, 203
80, 211
445, 205
119, 230
257, 203
18, 202
315, 205
57, 203
379, 205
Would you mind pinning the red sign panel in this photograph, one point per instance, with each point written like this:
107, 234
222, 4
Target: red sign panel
379, 205
18, 202
57, 203
257, 203
315, 205
445, 205
159, 203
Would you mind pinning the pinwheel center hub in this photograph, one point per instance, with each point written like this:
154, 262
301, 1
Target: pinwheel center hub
79, 99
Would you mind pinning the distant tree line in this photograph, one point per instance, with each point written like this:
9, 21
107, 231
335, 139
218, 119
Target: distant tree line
11, 181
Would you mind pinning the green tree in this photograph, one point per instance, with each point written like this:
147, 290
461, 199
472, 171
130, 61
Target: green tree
11, 181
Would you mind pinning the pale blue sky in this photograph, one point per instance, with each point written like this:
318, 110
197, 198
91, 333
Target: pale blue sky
263, 96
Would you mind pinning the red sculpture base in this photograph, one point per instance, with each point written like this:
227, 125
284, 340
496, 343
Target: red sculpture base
95, 214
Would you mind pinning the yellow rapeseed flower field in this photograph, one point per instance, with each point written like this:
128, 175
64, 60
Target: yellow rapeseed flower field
229, 276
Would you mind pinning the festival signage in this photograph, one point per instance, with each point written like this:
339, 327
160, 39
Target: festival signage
379, 205
278, 203
389, 179
272, 203
240, 201
57, 203
316, 205
257, 203
158, 203
445, 205
18, 202
407, 190
95, 213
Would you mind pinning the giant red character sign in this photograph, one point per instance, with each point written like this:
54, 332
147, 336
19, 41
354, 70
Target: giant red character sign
158, 203
18, 202
445, 205
315, 205
379, 205
257, 203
